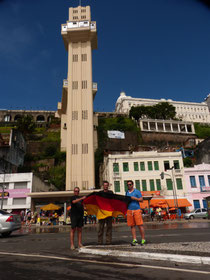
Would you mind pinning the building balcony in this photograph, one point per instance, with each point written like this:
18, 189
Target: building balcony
205, 189
71, 25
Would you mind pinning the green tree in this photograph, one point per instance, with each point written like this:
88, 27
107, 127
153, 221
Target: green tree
57, 177
187, 162
26, 124
162, 110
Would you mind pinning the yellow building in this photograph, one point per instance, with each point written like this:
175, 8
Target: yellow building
76, 108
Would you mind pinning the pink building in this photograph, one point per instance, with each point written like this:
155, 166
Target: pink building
197, 180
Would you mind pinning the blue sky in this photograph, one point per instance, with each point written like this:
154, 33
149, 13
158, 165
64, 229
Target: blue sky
147, 48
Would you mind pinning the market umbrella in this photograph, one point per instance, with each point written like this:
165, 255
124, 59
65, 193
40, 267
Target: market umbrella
50, 206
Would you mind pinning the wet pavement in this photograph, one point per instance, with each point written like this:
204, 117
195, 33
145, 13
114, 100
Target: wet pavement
184, 224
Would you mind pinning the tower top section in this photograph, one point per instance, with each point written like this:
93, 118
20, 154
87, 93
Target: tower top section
79, 13
79, 27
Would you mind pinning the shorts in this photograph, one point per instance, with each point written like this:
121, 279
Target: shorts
134, 218
76, 221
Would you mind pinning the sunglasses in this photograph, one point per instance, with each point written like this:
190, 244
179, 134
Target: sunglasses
76, 191
130, 184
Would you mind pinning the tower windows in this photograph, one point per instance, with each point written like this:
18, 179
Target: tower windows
74, 149
75, 18
75, 11
84, 84
84, 148
74, 184
85, 185
83, 11
75, 58
84, 57
85, 114
74, 115
75, 85
83, 17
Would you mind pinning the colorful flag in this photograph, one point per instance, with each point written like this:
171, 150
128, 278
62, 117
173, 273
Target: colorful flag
103, 205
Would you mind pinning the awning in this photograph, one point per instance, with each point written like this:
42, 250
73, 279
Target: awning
168, 203
182, 202
144, 204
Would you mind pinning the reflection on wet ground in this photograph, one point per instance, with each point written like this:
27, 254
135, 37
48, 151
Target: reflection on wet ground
93, 227
178, 225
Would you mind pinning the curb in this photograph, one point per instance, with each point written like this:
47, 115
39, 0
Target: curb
147, 256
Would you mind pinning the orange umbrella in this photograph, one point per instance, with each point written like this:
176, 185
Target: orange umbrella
68, 208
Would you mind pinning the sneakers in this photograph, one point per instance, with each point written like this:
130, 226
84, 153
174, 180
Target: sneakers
143, 242
134, 242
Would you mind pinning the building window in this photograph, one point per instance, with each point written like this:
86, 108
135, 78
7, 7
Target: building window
74, 18
125, 167
137, 184
152, 185
156, 165
19, 201
149, 163
74, 148
202, 181
83, 17
4, 201
192, 182
179, 184
166, 165
117, 186
176, 164
74, 184
115, 167
84, 57
158, 184
74, 115
204, 203
75, 85
169, 184
136, 166
85, 185
75, 58
125, 186
144, 185
196, 204
84, 114
6, 186
20, 185
75, 11
84, 84
84, 148
142, 166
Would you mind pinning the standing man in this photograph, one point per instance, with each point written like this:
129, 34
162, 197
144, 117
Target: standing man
107, 221
76, 214
134, 217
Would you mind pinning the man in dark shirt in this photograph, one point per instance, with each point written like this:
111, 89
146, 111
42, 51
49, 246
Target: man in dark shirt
76, 214
107, 221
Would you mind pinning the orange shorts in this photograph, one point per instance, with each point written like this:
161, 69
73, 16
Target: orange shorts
134, 218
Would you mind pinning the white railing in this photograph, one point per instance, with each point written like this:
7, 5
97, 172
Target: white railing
78, 24
95, 85
205, 189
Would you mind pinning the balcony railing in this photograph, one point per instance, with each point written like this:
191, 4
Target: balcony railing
78, 24
205, 189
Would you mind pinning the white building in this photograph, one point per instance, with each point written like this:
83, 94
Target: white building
187, 111
18, 185
144, 168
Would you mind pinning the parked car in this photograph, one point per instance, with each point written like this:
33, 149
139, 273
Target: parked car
8, 223
197, 213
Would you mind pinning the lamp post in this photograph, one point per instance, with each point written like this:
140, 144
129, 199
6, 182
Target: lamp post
2, 186
173, 187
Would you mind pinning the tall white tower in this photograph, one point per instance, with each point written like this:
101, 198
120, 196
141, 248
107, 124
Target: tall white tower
76, 109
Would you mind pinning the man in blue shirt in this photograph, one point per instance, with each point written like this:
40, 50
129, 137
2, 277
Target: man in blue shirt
134, 217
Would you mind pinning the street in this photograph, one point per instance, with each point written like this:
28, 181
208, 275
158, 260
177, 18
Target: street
28, 254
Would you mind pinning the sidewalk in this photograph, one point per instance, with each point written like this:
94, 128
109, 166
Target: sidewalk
184, 252
192, 252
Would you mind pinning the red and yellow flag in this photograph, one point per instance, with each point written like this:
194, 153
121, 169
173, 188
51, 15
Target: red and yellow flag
103, 205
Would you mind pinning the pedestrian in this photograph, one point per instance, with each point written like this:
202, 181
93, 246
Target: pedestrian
76, 214
134, 217
107, 221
